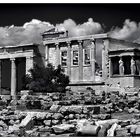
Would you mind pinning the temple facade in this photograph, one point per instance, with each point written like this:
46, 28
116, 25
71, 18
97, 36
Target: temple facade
96, 61
15, 62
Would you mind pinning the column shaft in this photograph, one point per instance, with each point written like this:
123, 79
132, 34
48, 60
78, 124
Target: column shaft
105, 60
133, 66
29, 64
121, 66
57, 54
110, 67
80, 60
93, 54
0, 76
69, 60
47, 55
13, 78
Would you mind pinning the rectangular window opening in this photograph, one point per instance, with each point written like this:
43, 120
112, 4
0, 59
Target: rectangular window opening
64, 58
86, 56
75, 58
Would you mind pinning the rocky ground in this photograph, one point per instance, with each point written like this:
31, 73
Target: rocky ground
84, 113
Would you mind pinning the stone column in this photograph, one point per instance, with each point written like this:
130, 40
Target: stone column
69, 60
110, 68
133, 66
13, 78
93, 59
29, 63
57, 54
80, 60
46, 55
0, 76
105, 62
121, 66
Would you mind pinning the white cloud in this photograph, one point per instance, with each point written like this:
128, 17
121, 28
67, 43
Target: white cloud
130, 31
87, 28
30, 32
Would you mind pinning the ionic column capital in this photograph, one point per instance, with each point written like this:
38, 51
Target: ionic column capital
80, 42
12, 59
92, 41
68, 43
57, 44
29, 57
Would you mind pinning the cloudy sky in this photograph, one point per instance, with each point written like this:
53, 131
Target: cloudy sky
24, 23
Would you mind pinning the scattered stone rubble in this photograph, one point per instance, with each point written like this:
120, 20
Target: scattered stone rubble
71, 114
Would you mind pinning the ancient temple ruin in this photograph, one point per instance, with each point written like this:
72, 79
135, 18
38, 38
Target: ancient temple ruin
15, 62
96, 61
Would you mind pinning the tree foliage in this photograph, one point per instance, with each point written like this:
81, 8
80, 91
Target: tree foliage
46, 79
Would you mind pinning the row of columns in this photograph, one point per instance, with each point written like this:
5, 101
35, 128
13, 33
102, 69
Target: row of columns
29, 65
80, 47
132, 66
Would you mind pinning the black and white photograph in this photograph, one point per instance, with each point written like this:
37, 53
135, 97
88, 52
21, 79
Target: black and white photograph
69, 70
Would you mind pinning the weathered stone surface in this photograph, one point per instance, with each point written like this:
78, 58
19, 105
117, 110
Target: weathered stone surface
122, 132
48, 122
102, 110
45, 105
55, 122
133, 110
24, 97
63, 121
5, 111
63, 128
11, 117
66, 117
4, 134
111, 131
103, 130
77, 116
84, 116
132, 128
124, 123
42, 134
3, 125
137, 116
1, 128
75, 109
66, 135
85, 110
29, 133
22, 115
41, 115
137, 131
49, 116
57, 116
64, 110
85, 127
104, 116
13, 128
110, 121
54, 108
11, 122
71, 116
27, 122
45, 129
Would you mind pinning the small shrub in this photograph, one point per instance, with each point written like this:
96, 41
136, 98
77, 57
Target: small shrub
46, 79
